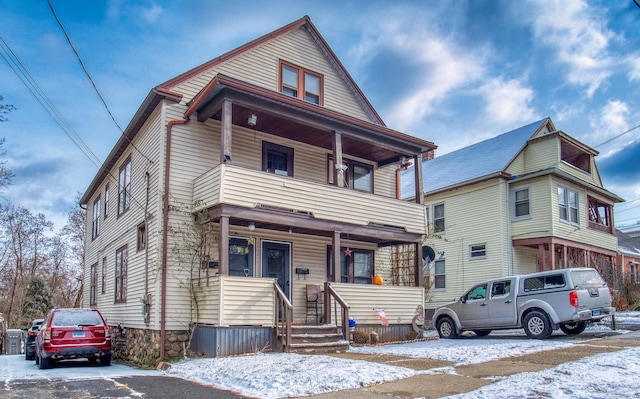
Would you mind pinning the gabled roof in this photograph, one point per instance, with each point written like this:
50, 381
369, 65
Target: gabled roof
164, 92
313, 31
483, 159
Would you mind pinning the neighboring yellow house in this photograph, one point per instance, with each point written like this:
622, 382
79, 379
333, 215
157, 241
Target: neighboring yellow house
528, 200
235, 188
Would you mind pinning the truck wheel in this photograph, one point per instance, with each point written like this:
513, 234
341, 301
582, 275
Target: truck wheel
447, 328
481, 333
573, 328
105, 360
536, 324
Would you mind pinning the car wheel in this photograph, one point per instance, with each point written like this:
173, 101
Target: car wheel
105, 360
37, 360
481, 333
536, 324
447, 328
44, 363
92, 359
573, 328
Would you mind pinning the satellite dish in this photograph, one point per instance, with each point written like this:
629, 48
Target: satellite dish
428, 254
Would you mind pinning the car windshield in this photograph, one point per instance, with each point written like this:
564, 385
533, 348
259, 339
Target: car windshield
76, 318
586, 277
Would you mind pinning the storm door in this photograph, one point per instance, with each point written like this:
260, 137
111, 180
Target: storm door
276, 263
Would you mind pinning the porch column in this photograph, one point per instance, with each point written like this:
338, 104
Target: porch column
552, 256
223, 247
338, 172
541, 260
586, 257
565, 255
418, 176
225, 134
418, 264
335, 256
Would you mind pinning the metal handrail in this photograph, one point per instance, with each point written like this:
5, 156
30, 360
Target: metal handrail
284, 320
329, 293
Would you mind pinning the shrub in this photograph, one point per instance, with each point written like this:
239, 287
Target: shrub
360, 337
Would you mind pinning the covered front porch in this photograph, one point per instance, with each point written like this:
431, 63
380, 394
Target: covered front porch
238, 315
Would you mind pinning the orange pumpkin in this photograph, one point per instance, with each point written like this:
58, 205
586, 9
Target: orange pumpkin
377, 280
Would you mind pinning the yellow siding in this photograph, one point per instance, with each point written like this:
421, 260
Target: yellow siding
540, 195
581, 233
117, 231
318, 199
591, 178
542, 154
398, 303
259, 66
517, 166
473, 215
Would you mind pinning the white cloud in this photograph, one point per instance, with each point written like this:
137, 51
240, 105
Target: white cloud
634, 66
579, 37
508, 101
611, 120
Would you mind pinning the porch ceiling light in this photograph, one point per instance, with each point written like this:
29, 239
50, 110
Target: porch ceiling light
252, 226
253, 119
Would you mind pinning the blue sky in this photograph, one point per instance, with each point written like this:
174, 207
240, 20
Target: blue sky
452, 72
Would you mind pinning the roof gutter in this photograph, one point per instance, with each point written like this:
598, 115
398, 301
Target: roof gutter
165, 227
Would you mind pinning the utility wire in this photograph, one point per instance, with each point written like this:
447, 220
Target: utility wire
23, 74
36, 91
95, 87
618, 136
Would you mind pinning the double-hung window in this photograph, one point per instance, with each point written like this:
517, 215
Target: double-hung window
106, 201
122, 260
277, 159
301, 83
104, 275
93, 297
95, 227
124, 187
521, 203
439, 274
568, 205
438, 218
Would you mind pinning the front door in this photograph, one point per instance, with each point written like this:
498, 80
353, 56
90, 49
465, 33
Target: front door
276, 263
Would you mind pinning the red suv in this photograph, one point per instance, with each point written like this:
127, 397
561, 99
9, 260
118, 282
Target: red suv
71, 334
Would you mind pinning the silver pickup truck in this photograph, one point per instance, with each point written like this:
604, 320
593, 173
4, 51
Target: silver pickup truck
539, 302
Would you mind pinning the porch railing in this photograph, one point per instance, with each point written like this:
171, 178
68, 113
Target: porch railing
331, 297
283, 318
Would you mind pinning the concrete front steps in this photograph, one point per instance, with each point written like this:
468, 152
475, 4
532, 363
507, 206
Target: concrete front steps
317, 339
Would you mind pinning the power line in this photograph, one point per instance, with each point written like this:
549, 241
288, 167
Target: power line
36, 91
618, 136
43, 99
95, 87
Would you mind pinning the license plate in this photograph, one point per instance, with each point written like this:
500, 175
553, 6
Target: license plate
596, 312
78, 334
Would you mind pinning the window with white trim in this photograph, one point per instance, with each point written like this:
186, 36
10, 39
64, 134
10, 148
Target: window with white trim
521, 203
106, 201
438, 218
477, 251
104, 275
439, 280
568, 205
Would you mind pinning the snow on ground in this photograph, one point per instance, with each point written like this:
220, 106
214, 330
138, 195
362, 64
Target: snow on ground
280, 375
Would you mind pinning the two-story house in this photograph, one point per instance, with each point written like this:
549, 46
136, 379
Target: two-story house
527, 200
239, 190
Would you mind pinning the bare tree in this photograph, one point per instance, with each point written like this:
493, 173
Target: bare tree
5, 109
72, 239
24, 245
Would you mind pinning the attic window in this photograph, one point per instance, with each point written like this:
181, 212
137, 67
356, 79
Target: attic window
301, 83
575, 157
